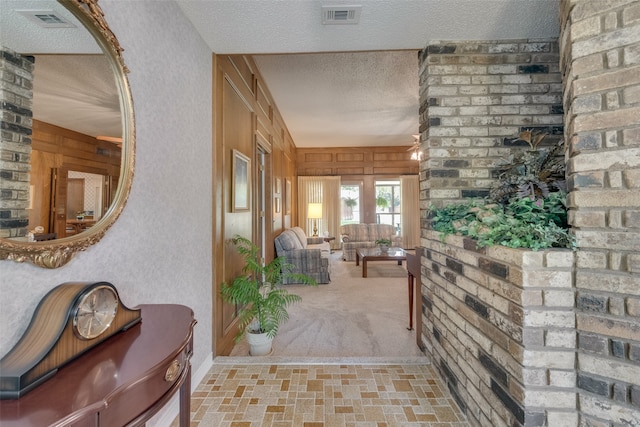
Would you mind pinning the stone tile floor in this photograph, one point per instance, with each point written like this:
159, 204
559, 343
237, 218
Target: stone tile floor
323, 395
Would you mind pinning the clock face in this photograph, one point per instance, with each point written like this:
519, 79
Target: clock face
95, 311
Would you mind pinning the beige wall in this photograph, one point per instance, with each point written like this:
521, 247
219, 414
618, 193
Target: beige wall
159, 250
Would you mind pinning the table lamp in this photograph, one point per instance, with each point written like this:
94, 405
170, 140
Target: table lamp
314, 212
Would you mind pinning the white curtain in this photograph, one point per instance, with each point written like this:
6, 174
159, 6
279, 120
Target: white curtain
410, 208
325, 190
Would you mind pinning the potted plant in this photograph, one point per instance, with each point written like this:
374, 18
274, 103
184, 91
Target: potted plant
382, 202
350, 203
258, 290
384, 245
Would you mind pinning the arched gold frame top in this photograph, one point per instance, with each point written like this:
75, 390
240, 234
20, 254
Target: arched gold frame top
56, 253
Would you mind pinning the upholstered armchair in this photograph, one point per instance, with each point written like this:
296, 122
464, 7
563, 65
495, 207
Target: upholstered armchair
308, 255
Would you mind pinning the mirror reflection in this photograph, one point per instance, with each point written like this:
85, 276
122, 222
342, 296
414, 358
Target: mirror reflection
71, 116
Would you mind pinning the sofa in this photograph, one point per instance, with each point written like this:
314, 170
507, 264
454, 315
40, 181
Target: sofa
355, 236
308, 255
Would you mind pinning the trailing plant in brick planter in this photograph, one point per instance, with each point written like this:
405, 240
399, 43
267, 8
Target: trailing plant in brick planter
526, 208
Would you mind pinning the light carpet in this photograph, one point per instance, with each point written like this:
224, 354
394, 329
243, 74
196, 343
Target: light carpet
350, 319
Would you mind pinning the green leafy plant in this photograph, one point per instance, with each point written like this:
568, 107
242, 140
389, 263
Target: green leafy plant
350, 202
383, 242
259, 291
382, 202
525, 209
524, 223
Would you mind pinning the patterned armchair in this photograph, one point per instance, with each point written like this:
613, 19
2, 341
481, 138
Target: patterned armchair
309, 255
364, 236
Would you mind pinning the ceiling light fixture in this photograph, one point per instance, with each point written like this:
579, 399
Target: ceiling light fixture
416, 154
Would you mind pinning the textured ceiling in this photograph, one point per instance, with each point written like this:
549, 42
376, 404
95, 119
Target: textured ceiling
346, 99
356, 84
335, 85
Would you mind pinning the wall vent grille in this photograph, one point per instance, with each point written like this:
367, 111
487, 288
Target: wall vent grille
336, 15
46, 18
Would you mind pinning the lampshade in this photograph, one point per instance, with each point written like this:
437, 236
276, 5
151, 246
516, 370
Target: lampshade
314, 210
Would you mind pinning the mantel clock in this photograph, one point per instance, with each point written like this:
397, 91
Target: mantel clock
71, 319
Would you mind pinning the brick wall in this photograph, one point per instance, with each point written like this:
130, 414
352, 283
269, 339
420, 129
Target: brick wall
16, 79
499, 326
569, 354
600, 46
475, 98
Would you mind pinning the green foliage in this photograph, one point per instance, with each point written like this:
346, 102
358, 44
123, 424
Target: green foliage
382, 201
522, 223
259, 291
525, 208
350, 202
383, 242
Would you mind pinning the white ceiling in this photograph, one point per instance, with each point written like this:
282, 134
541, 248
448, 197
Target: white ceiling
335, 85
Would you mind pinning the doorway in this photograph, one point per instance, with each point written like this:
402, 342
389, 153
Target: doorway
75, 197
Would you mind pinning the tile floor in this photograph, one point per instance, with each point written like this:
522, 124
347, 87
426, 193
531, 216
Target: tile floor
323, 395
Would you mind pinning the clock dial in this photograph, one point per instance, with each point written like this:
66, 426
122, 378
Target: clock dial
95, 311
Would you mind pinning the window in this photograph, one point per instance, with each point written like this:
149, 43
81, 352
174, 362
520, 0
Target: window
350, 197
388, 203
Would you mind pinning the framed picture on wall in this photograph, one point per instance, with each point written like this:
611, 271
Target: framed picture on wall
241, 174
287, 197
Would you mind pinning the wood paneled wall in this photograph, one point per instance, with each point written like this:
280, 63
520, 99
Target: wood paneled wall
330, 161
246, 119
358, 165
58, 150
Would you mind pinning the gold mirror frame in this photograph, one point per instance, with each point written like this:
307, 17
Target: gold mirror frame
56, 253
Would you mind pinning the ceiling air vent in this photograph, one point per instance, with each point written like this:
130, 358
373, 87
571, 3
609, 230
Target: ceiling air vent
333, 15
46, 18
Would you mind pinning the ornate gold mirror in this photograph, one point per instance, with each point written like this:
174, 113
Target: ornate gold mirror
68, 136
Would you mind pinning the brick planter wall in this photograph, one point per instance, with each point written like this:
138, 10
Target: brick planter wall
600, 46
499, 326
573, 357
16, 95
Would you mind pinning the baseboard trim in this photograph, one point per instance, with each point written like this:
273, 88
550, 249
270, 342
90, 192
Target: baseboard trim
284, 360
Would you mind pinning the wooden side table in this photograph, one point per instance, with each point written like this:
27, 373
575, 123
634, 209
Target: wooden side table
123, 381
329, 239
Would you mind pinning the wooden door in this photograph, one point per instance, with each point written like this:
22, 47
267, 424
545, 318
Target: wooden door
75, 197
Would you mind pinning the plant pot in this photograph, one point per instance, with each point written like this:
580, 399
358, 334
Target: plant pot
384, 248
259, 344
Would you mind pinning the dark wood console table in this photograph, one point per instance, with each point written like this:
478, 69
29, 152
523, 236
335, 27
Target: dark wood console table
122, 382
414, 274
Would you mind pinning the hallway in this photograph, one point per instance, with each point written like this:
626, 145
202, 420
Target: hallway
361, 366
327, 395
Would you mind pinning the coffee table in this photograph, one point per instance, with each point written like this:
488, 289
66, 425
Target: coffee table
375, 254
